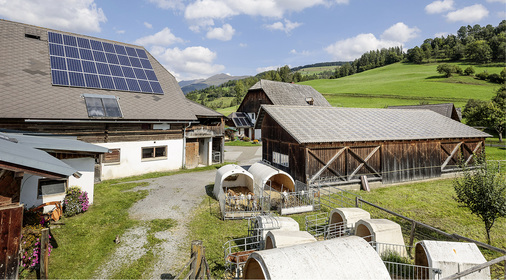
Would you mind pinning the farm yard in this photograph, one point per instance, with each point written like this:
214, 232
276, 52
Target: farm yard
156, 219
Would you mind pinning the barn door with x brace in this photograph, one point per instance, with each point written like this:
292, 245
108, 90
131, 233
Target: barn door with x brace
457, 153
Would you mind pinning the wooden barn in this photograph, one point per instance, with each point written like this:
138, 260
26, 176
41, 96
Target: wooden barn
445, 109
112, 94
275, 93
339, 145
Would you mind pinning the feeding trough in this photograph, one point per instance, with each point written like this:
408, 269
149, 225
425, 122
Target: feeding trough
450, 257
281, 238
342, 221
383, 234
233, 187
281, 189
345, 258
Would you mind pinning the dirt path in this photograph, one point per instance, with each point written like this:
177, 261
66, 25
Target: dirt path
172, 197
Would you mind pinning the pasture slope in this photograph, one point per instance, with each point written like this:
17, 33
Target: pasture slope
405, 84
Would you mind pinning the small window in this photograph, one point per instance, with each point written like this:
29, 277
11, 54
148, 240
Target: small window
102, 106
309, 100
114, 156
154, 152
51, 187
280, 159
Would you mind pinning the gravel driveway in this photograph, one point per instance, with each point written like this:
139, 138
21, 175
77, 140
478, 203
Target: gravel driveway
172, 197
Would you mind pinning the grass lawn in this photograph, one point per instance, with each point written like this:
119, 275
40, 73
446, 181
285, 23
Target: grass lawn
405, 84
242, 143
430, 202
85, 242
227, 111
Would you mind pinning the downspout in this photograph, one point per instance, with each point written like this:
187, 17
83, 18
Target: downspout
184, 144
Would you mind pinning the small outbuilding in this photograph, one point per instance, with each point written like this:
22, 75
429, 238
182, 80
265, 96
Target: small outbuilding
342, 221
316, 144
340, 258
451, 257
267, 176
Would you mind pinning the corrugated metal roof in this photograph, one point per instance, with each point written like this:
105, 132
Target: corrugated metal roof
308, 124
55, 143
27, 90
290, 94
28, 157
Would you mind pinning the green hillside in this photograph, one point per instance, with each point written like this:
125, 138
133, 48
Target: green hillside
405, 84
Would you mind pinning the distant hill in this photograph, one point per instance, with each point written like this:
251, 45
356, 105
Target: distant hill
215, 80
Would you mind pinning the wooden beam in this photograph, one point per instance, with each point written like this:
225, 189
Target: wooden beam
363, 162
472, 152
324, 164
327, 165
451, 155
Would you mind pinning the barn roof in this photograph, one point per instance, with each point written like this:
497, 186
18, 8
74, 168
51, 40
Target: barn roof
308, 124
27, 91
445, 109
290, 94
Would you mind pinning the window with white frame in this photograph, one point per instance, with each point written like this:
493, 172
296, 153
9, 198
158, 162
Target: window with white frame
280, 159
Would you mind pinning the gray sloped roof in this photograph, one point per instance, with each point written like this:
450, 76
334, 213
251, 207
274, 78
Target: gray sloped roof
308, 124
25, 156
54, 143
290, 94
445, 109
27, 91
201, 110
240, 119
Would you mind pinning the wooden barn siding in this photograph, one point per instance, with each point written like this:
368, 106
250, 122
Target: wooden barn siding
464, 152
253, 100
99, 132
11, 220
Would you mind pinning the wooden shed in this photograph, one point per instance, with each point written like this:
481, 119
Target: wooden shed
339, 145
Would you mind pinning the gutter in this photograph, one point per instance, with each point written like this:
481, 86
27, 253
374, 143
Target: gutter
102, 121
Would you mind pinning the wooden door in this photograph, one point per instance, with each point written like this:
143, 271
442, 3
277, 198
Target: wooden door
11, 221
192, 154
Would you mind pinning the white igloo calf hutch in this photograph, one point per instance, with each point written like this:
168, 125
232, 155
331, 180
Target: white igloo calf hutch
262, 224
383, 234
280, 189
340, 258
342, 221
450, 258
233, 188
281, 238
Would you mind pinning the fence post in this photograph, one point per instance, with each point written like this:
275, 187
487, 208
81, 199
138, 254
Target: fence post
195, 266
44, 244
412, 236
357, 201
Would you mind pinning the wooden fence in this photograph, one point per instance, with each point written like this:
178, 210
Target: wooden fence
197, 267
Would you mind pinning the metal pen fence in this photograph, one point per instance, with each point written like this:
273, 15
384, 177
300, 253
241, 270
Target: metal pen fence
236, 253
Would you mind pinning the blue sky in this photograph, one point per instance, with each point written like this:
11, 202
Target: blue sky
200, 38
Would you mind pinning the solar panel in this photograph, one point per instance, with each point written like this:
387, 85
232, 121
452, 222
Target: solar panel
76, 61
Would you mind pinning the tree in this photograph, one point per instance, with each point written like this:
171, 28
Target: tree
479, 51
469, 71
446, 69
415, 55
490, 114
483, 191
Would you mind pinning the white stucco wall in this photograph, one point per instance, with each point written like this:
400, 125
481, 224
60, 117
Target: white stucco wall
258, 134
131, 162
29, 184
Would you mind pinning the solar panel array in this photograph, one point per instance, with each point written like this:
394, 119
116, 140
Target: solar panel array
240, 120
82, 62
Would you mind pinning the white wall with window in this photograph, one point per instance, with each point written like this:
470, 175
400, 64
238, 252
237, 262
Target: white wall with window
36, 190
280, 159
142, 157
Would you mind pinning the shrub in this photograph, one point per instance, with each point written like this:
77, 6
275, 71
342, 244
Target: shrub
469, 71
75, 202
246, 139
458, 70
495, 78
482, 76
30, 247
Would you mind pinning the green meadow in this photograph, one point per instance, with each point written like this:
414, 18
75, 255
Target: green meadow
406, 84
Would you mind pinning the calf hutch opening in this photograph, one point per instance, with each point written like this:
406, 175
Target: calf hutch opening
233, 188
346, 258
383, 234
282, 193
451, 258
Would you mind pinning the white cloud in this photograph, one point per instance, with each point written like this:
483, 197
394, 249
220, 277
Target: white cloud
168, 4
470, 14
499, 1
295, 52
267, 68
148, 25
287, 27
162, 38
221, 9
438, 7
74, 15
224, 33
120, 31
189, 63
400, 32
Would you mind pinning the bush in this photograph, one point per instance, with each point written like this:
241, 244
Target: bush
246, 139
482, 76
495, 78
75, 202
458, 70
469, 71
30, 247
